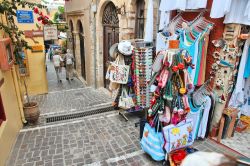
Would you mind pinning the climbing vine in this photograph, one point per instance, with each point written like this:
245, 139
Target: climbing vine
9, 8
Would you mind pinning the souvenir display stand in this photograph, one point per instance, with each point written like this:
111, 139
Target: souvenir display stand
172, 116
202, 87
132, 73
141, 75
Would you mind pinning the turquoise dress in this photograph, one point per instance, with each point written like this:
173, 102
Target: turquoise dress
247, 67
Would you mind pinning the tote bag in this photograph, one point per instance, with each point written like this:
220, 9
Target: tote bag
119, 72
125, 101
178, 136
152, 143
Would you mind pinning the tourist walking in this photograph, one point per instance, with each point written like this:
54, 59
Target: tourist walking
69, 59
57, 59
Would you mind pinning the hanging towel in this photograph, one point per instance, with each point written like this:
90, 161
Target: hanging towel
237, 13
220, 8
168, 5
149, 23
237, 98
194, 4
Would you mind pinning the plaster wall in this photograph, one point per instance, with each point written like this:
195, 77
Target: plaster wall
9, 129
36, 80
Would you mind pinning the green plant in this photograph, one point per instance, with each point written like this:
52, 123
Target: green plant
59, 14
9, 8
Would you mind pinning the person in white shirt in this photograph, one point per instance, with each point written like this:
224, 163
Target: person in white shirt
69, 59
57, 59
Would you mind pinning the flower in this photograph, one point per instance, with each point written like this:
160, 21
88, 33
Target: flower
39, 18
181, 66
36, 11
175, 68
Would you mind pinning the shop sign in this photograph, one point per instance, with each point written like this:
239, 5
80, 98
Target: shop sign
24, 16
37, 48
50, 32
33, 33
62, 26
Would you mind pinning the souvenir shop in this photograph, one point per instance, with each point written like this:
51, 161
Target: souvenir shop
193, 82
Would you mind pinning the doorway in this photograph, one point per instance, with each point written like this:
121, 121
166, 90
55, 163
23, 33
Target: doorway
71, 27
111, 35
82, 50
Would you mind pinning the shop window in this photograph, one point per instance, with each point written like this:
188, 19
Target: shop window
2, 114
139, 22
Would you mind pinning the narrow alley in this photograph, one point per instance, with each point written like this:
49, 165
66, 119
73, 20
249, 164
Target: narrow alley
124, 83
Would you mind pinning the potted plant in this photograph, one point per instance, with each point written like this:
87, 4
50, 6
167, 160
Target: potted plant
30, 108
9, 8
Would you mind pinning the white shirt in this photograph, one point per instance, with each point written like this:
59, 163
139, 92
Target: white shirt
220, 8
237, 13
56, 60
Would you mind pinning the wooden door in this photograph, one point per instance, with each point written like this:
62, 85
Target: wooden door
82, 51
111, 35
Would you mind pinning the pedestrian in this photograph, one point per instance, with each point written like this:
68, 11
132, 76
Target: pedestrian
69, 59
57, 61
51, 53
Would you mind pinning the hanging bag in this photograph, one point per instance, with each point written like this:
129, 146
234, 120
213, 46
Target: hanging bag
178, 136
119, 72
152, 142
125, 101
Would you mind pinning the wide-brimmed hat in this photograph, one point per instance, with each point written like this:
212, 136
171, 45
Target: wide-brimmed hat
113, 50
125, 47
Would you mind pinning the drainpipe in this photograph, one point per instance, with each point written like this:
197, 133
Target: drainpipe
95, 43
17, 89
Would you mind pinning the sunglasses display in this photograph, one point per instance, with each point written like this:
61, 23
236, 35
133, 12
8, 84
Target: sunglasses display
143, 61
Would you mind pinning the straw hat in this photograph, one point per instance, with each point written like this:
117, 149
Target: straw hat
113, 50
125, 47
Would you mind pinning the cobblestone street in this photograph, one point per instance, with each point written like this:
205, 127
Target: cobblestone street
65, 85
100, 139
103, 139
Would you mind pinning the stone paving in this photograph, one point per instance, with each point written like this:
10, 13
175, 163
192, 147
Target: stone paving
65, 85
103, 139
240, 142
71, 100
68, 96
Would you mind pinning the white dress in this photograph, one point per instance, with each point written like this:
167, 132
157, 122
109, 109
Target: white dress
220, 8
237, 13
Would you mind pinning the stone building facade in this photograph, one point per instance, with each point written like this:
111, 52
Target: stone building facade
97, 24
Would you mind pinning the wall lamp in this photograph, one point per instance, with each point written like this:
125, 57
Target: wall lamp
121, 10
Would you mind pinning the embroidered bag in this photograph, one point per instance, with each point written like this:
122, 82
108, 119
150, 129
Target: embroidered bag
178, 136
152, 142
119, 72
125, 101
